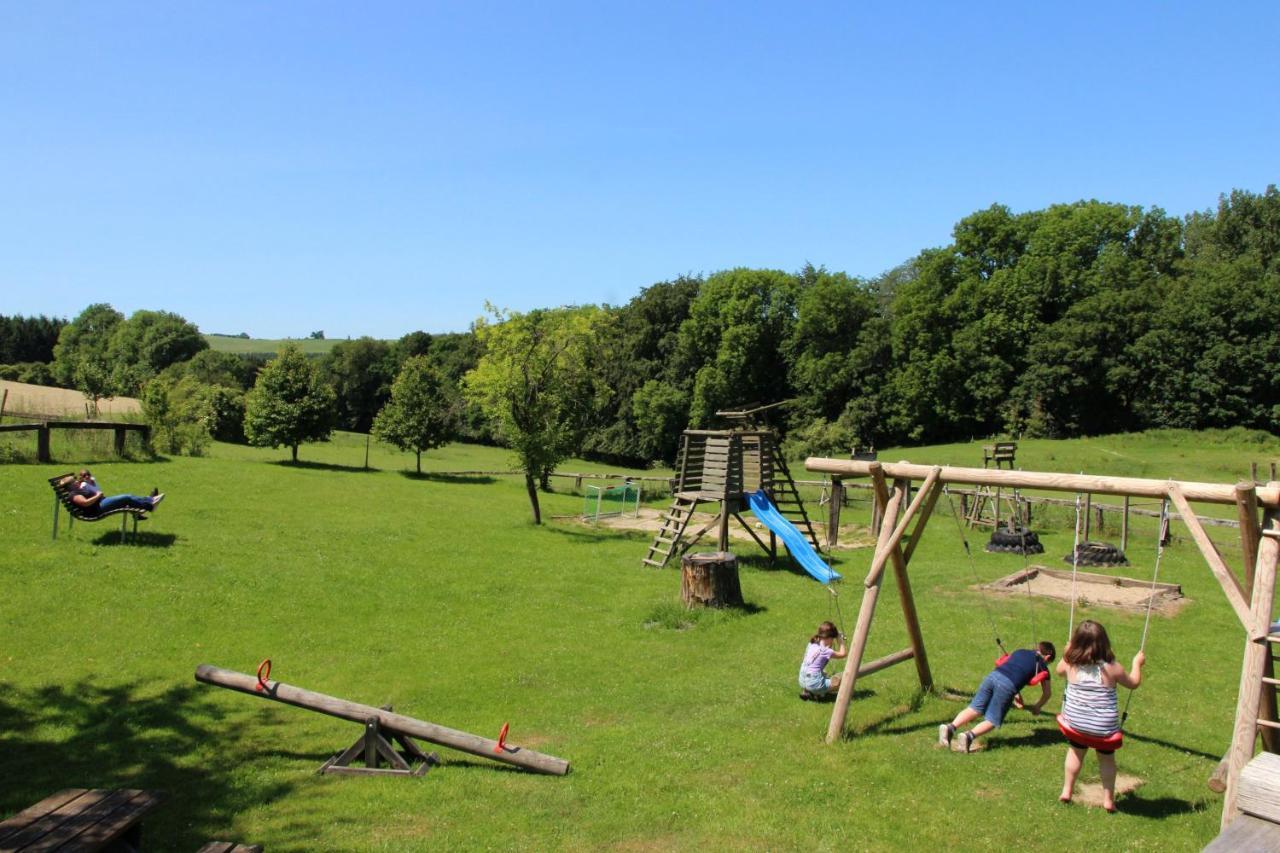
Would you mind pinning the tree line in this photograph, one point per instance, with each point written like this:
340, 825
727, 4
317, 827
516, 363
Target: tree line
1078, 319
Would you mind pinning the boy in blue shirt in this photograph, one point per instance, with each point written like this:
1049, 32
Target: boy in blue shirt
999, 690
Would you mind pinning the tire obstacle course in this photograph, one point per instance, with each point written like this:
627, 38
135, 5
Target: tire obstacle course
373, 747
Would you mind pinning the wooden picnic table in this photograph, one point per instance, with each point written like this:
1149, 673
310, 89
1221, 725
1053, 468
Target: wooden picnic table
80, 819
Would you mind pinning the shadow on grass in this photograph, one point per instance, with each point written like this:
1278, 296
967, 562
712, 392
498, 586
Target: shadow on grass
454, 479
324, 466
142, 539
1170, 745
1155, 807
586, 534
85, 735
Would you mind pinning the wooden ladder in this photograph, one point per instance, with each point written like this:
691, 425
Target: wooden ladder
787, 499
674, 522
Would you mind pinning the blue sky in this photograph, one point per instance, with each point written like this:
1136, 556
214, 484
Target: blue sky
375, 168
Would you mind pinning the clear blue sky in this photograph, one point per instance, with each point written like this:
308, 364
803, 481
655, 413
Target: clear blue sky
375, 168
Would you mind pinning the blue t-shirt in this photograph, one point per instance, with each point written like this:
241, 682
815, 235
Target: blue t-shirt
1021, 667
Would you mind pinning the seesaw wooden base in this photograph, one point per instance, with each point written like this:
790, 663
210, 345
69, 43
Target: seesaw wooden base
375, 750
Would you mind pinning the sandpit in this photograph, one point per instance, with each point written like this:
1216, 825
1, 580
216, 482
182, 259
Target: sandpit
1092, 588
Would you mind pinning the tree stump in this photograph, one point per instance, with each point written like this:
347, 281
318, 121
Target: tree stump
710, 580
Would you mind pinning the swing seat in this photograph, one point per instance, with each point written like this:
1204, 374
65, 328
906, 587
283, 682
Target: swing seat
1113, 741
1035, 679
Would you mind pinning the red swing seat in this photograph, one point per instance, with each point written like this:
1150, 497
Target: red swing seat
1035, 679
1113, 741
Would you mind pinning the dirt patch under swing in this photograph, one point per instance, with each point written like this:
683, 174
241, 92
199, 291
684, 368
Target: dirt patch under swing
1092, 588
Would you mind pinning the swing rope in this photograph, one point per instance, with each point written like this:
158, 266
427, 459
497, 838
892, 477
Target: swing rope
986, 605
1075, 570
1155, 575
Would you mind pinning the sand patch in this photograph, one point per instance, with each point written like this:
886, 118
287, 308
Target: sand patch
1090, 793
852, 536
1092, 588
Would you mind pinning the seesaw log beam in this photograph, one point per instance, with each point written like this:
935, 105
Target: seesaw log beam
357, 713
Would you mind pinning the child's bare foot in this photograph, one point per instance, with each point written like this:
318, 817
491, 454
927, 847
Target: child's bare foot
1065, 798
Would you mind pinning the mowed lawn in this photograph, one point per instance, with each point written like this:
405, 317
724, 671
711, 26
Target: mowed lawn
438, 595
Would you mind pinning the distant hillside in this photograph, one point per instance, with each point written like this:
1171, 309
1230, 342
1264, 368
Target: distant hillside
267, 346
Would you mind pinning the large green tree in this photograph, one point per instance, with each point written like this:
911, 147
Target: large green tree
732, 342
360, 372
80, 358
419, 416
147, 343
538, 383
289, 404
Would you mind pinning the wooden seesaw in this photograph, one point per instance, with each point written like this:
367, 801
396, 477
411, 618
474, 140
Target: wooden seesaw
381, 723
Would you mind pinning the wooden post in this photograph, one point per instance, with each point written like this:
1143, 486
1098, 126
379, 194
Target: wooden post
869, 597
1256, 651
42, 443
996, 525
1124, 526
722, 539
927, 496
1250, 535
1088, 505
710, 580
833, 512
119, 441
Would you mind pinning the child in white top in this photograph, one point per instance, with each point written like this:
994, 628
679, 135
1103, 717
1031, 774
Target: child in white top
1089, 706
814, 682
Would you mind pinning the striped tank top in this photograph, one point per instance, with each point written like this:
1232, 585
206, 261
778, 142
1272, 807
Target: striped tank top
1089, 705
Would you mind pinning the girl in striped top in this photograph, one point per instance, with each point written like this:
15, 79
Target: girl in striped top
1089, 705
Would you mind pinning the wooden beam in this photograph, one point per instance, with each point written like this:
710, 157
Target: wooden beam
886, 662
925, 514
1268, 496
867, 610
1256, 651
882, 557
1230, 585
398, 723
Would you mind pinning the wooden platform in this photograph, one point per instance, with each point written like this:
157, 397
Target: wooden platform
1247, 834
80, 819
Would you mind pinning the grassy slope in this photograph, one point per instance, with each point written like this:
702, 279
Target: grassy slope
226, 343
438, 595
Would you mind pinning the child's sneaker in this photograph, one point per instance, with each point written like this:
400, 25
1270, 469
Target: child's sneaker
966, 741
945, 733
805, 696
155, 500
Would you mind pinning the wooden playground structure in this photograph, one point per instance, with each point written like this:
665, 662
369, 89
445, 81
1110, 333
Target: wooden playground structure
1252, 601
373, 747
725, 467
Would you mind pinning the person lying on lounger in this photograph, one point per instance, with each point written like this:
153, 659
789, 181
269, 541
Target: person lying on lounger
86, 494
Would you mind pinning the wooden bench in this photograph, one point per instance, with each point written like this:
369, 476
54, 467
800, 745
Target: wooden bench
1000, 453
80, 819
61, 486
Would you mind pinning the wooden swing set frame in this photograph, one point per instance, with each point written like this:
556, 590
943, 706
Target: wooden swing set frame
1252, 601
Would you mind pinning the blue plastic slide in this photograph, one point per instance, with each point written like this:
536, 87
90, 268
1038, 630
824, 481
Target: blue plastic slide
797, 545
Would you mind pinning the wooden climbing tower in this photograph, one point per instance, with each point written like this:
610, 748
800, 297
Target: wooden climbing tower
726, 467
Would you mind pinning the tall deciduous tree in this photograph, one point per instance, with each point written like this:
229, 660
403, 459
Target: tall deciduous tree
147, 343
360, 372
290, 403
419, 415
537, 383
80, 358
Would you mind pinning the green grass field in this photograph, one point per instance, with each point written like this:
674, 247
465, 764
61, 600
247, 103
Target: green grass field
437, 594
267, 346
